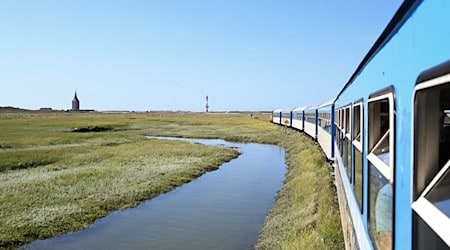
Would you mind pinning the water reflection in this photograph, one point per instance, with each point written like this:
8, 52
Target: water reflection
223, 209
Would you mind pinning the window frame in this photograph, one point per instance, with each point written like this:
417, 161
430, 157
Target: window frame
345, 140
437, 220
348, 136
387, 171
348, 122
358, 145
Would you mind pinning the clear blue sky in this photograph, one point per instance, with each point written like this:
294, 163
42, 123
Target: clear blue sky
170, 54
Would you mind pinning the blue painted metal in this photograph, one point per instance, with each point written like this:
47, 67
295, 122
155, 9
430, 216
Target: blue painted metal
333, 132
420, 42
290, 119
303, 120
317, 122
415, 40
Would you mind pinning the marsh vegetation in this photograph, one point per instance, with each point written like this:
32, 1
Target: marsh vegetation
53, 180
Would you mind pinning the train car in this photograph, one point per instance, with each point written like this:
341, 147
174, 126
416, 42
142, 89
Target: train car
286, 117
298, 117
276, 116
325, 128
310, 121
390, 130
393, 134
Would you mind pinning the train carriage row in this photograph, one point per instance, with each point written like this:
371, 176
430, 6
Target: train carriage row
387, 133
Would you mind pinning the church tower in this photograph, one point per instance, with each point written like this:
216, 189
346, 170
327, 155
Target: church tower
75, 103
207, 106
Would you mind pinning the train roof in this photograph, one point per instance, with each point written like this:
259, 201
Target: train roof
311, 108
276, 110
287, 110
440, 70
300, 108
399, 18
328, 103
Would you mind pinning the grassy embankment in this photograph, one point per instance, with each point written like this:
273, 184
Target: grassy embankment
53, 181
306, 215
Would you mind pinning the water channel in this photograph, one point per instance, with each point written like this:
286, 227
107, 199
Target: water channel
222, 209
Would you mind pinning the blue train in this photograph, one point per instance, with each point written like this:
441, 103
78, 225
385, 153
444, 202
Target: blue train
387, 133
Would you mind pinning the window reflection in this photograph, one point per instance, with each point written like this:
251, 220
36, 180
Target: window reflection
358, 177
380, 209
440, 194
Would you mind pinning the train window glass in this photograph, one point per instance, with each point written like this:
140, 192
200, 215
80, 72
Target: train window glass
357, 153
346, 144
310, 117
286, 118
439, 194
325, 120
347, 120
380, 167
359, 180
357, 122
340, 117
349, 144
336, 130
349, 160
341, 127
343, 142
335, 125
432, 163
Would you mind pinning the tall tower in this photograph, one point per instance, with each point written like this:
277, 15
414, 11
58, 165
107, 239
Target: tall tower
207, 106
75, 103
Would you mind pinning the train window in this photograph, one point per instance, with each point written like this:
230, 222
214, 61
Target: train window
325, 120
358, 153
343, 141
347, 120
380, 161
349, 144
357, 122
432, 163
341, 137
341, 127
339, 119
337, 130
310, 117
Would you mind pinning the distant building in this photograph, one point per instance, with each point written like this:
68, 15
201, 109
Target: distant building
75, 103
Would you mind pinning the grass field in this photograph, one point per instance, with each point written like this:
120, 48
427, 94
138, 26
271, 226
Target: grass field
53, 180
306, 214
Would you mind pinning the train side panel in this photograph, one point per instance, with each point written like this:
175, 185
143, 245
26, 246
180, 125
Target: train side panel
418, 43
325, 128
297, 124
324, 139
297, 118
286, 118
276, 116
310, 122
